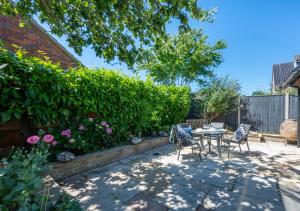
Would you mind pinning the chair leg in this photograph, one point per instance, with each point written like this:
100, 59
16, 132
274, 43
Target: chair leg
200, 156
178, 148
240, 148
228, 149
179, 153
248, 146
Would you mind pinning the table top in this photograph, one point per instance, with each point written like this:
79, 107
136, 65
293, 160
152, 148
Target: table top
209, 131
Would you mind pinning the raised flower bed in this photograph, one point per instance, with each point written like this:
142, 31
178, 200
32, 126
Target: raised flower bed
88, 161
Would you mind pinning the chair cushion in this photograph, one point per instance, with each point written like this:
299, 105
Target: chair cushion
240, 134
183, 136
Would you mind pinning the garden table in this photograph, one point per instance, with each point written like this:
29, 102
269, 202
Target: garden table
210, 132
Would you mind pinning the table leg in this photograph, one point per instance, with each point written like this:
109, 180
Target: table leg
209, 143
219, 145
202, 141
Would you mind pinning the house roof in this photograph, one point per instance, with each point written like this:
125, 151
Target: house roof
34, 39
295, 74
55, 41
281, 72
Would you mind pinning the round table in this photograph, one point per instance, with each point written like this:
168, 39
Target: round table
210, 132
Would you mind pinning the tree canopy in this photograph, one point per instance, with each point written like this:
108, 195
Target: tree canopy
115, 29
260, 92
182, 59
219, 97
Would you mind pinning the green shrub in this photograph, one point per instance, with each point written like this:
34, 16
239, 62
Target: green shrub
20, 179
48, 95
91, 134
66, 203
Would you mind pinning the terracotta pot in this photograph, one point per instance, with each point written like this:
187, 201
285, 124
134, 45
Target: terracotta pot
288, 129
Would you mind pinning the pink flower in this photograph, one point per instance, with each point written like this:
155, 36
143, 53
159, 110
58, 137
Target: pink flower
54, 143
81, 127
66, 133
108, 130
103, 123
33, 139
48, 138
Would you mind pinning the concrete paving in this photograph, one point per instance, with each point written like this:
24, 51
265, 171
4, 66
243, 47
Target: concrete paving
266, 179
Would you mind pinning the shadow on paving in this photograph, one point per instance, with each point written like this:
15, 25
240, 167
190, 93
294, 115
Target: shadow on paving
156, 180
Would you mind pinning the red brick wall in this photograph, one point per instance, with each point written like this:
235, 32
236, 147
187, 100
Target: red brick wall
32, 38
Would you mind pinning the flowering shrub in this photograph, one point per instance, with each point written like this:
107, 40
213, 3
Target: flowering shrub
89, 135
20, 178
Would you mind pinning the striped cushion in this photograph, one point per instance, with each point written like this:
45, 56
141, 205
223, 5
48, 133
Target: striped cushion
183, 136
240, 133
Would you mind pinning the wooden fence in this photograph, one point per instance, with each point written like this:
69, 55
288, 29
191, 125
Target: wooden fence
264, 113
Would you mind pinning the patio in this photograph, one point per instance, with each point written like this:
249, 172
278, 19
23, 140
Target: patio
267, 179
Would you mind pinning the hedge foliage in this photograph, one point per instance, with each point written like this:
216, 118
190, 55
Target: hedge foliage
45, 93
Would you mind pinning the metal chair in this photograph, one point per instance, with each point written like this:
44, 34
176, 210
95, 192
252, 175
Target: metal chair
184, 137
236, 139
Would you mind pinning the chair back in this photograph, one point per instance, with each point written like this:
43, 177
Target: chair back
183, 125
241, 134
246, 128
182, 136
172, 136
217, 125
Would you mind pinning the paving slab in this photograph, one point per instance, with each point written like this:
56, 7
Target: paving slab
265, 179
224, 200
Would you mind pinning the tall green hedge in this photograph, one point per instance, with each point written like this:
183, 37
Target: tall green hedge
47, 94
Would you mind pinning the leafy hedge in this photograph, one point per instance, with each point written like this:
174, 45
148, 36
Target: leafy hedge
47, 94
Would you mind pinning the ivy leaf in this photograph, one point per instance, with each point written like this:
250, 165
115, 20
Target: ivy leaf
6, 116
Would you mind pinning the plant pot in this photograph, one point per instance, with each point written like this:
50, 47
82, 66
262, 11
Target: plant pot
288, 129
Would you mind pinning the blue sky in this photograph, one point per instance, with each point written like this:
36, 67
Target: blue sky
259, 33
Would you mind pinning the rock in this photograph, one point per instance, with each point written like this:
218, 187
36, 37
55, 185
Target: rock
64, 157
288, 129
163, 134
154, 134
136, 140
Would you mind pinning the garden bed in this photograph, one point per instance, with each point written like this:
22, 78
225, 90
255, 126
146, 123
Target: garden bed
96, 159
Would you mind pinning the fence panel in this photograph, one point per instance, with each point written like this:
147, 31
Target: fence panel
264, 113
293, 107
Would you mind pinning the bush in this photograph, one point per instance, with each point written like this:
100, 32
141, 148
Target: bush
220, 97
20, 179
66, 203
48, 95
90, 135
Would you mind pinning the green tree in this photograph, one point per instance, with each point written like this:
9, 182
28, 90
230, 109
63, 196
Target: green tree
288, 90
114, 28
219, 97
260, 92
182, 59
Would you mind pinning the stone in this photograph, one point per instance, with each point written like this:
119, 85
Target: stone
154, 134
163, 134
288, 129
65, 157
136, 140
